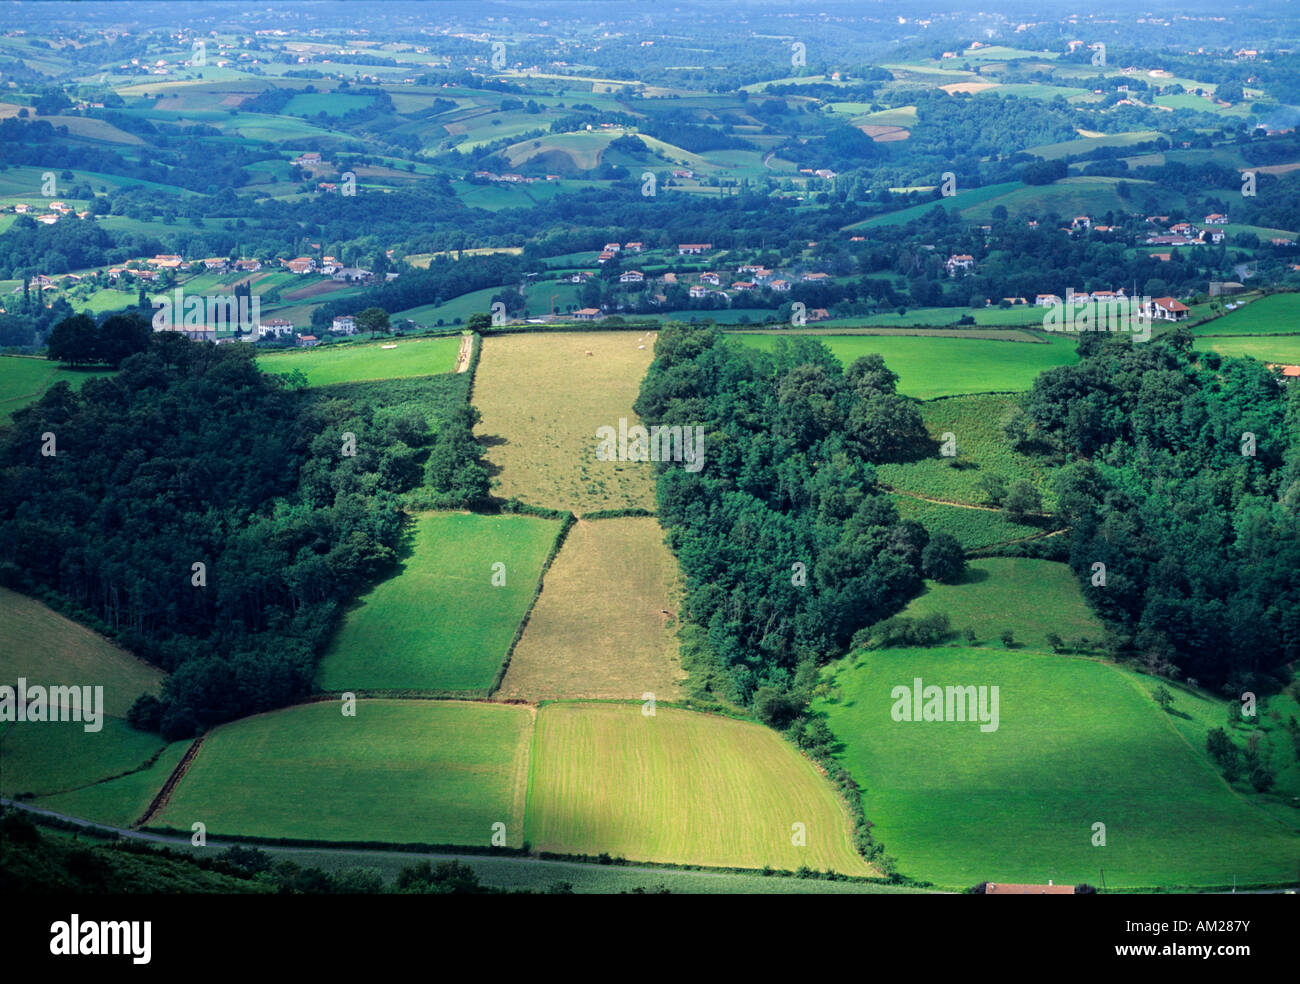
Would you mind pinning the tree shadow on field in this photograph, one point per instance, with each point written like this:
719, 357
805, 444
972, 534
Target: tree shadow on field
487, 442
972, 575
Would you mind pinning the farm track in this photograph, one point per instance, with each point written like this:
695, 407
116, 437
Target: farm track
463, 356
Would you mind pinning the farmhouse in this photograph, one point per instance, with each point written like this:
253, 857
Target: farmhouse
699, 290
816, 277
1167, 309
709, 277
780, 285
634, 247
631, 277
693, 249
611, 247
307, 341
248, 266
274, 328
959, 261
1216, 218
586, 314
818, 314
301, 265
1047, 300
344, 325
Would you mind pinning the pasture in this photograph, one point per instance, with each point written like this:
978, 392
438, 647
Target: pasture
1028, 597
24, 380
359, 363
599, 629
420, 771
441, 624
1277, 314
974, 529
933, 367
47, 649
542, 396
680, 786
1079, 742
1283, 349
122, 801
975, 421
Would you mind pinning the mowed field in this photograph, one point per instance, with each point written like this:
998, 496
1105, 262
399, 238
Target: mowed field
1079, 742
1283, 349
599, 629
46, 649
542, 397
682, 787
24, 380
419, 771
933, 367
991, 599
441, 624
357, 363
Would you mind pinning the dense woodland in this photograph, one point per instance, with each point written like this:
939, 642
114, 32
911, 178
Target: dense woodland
1184, 482
787, 546
190, 455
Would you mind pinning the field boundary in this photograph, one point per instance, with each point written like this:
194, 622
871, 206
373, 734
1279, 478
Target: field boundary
164, 795
566, 524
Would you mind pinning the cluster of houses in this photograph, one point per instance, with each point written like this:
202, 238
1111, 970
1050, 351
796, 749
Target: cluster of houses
1186, 234
513, 178
57, 210
1158, 308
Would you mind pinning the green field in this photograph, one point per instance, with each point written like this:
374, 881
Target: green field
23, 380
420, 771
119, 802
1277, 314
975, 529
680, 786
931, 367
1266, 348
441, 624
975, 422
991, 598
46, 649
356, 363
1079, 742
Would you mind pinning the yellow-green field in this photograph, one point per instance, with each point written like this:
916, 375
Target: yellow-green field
599, 629
418, 771
542, 397
680, 787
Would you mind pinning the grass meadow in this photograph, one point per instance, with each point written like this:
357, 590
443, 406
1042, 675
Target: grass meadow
933, 367
24, 380
974, 529
1079, 742
359, 363
420, 771
441, 624
680, 786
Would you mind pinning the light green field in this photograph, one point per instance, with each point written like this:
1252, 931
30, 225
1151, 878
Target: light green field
420, 771
1266, 348
931, 367
1051, 152
357, 363
974, 529
440, 624
964, 199
1078, 743
976, 423
992, 598
119, 802
1092, 195
1277, 314
680, 786
23, 380
330, 103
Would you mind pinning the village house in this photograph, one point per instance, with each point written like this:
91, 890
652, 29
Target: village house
1216, 218
274, 328
634, 247
612, 247
1047, 300
959, 261
586, 314
605, 257
307, 160
631, 277
816, 277
218, 263
1167, 309
780, 285
248, 266
693, 249
699, 290
819, 314
344, 325
709, 277
1081, 222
